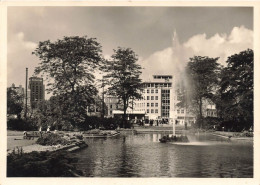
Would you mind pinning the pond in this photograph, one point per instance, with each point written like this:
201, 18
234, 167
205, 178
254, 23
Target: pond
142, 155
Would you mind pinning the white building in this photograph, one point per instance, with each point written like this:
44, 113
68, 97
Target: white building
157, 98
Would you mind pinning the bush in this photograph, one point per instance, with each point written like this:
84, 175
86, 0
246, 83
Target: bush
52, 139
42, 164
93, 122
21, 124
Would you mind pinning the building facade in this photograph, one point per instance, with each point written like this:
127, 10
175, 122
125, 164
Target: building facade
157, 98
37, 90
20, 92
158, 102
112, 104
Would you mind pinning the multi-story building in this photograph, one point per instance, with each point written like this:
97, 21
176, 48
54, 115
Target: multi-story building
158, 98
37, 90
158, 102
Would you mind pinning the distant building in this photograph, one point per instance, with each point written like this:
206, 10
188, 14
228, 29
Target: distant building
37, 90
112, 104
19, 90
211, 111
96, 108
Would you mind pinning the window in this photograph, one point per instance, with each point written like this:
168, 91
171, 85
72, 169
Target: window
156, 104
152, 104
178, 111
148, 91
111, 106
148, 105
152, 91
152, 111
147, 111
182, 111
156, 97
152, 85
152, 97
156, 90
148, 97
156, 110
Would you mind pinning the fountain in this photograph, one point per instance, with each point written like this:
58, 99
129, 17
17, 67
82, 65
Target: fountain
174, 137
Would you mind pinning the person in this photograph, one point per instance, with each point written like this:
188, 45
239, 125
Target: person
48, 129
40, 131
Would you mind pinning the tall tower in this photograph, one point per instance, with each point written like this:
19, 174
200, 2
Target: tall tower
37, 89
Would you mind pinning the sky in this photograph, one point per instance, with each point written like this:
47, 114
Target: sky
164, 38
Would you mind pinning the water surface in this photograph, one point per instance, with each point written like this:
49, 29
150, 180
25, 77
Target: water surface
142, 155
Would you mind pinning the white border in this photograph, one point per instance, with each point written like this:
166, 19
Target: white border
119, 181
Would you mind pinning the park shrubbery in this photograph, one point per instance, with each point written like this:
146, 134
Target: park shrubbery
21, 124
52, 139
221, 125
42, 164
93, 122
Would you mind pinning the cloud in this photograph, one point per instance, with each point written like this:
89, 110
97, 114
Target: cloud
172, 60
19, 57
222, 45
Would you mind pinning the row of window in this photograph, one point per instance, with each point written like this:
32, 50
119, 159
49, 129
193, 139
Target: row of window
156, 85
152, 104
152, 98
152, 91
178, 111
115, 106
152, 111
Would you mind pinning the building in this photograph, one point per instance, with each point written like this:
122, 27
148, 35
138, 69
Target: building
37, 90
210, 111
96, 108
20, 92
112, 104
158, 98
158, 102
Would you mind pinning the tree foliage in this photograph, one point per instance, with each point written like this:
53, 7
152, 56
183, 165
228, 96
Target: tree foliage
200, 83
123, 77
237, 89
68, 66
14, 102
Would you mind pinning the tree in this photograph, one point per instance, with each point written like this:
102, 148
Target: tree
236, 89
201, 82
123, 77
14, 102
68, 66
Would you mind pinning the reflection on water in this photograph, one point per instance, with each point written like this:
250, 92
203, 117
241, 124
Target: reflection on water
143, 155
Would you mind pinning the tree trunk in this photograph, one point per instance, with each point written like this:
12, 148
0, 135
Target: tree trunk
200, 112
124, 116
